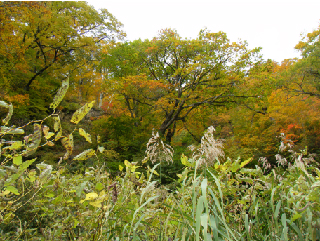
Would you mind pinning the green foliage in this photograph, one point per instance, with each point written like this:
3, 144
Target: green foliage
221, 200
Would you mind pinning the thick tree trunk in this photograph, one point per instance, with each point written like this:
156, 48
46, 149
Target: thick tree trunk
167, 131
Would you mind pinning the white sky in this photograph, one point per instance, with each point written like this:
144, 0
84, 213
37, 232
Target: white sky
274, 25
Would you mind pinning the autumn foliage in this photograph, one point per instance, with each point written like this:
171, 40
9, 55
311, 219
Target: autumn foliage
157, 139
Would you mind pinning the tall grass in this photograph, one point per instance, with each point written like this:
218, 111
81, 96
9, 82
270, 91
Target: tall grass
217, 200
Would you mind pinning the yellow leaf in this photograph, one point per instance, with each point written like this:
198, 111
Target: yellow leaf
245, 162
6, 192
96, 204
83, 133
85, 155
60, 94
91, 196
153, 171
120, 168
126, 163
80, 113
67, 142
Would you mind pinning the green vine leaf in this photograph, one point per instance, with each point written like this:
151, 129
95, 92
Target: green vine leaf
13, 190
17, 160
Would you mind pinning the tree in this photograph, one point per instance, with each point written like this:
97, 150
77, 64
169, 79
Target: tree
305, 73
43, 42
179, 75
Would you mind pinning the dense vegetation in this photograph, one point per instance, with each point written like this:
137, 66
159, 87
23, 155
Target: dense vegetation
162, 139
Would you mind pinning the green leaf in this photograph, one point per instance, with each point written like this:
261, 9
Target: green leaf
276, 213
15, 145
60, 94
57, 200
76, 222
13, 190
99, 186
80, 188
295, 217
80, 113
17, 160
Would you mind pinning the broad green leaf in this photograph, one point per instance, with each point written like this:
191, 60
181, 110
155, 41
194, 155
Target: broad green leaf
295, 217
57, 200
76, 222
60, 94
80, 188
99, 186
17, 160
84, 155
83, 133
26, 164
49, 195
277, 209
80, 113
12, 190
15, 145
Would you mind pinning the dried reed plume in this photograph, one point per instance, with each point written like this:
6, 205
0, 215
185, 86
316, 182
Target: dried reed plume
157, 150
210, 149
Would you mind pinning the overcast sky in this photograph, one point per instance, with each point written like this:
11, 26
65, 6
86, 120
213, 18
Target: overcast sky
276, 26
